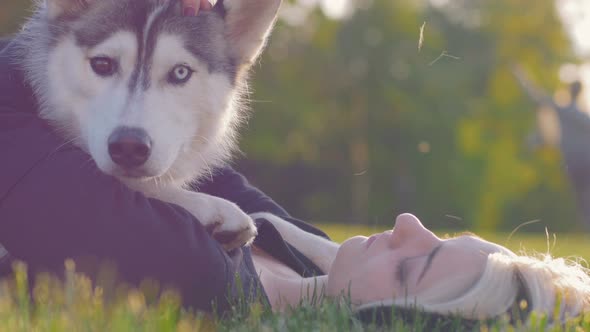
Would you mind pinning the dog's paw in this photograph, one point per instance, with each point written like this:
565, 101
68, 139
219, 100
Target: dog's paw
229, 225
224, 220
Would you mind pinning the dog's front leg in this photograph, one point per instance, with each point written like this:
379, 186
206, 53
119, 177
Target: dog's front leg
224, 220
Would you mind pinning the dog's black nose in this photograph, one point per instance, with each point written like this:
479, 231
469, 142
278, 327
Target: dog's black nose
129, 147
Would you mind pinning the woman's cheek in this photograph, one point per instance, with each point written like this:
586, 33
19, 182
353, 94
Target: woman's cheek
376, 283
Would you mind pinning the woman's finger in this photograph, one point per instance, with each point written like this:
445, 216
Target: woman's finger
206, 5
190, 7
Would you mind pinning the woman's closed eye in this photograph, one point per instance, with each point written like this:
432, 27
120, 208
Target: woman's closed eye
403, 269
409, 264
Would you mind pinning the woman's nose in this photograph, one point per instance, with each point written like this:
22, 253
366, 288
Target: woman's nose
408, 229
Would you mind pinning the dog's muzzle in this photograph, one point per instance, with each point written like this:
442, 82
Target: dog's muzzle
129, 147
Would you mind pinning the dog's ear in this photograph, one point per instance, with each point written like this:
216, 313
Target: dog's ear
247, 26
57, 8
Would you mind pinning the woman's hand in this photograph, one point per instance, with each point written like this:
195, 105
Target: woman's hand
192, 7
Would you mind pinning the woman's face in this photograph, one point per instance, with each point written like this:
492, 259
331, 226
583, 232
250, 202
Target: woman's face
406, 262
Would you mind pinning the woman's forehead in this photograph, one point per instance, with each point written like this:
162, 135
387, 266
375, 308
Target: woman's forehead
470, 242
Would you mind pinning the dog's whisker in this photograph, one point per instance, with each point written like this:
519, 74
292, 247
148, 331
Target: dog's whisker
260, 101
87, 163
157, 182
64, 144
170, 176
199, 137
207, 166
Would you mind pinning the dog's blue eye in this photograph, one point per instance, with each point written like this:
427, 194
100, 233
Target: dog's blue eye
180, 74
103, 66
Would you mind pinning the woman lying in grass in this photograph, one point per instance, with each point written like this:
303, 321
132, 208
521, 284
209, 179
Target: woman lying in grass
410, 266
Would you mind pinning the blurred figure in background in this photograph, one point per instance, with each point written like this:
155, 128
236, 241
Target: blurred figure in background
572, 137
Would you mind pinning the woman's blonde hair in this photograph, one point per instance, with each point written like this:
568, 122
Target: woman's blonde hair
556, 287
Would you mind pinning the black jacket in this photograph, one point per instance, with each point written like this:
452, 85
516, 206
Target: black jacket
55, 204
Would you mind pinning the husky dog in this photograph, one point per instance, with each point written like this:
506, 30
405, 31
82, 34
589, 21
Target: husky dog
151, 95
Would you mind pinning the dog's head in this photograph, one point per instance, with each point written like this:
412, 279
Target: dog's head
149, 93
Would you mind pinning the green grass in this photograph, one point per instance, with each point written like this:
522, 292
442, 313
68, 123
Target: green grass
76, 305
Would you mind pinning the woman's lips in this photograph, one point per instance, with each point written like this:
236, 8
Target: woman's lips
371, 239
374, 237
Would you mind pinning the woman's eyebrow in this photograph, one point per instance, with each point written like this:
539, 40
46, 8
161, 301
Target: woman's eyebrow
429, 262
400, 274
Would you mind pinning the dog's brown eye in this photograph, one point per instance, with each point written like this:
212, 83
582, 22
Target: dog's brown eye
180, 74
103, 66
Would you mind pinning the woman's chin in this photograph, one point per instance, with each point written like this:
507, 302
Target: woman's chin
347, 259
354, 241
351, 249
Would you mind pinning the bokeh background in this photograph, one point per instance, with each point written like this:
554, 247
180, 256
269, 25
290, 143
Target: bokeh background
363, 109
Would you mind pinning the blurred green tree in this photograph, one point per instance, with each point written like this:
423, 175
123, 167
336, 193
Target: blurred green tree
12, 13
438, 130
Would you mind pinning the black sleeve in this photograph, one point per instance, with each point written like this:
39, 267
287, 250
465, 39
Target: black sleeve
269, 239
231, 185
234, 187
55, 204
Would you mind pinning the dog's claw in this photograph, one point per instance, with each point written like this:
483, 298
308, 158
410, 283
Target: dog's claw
234, 239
